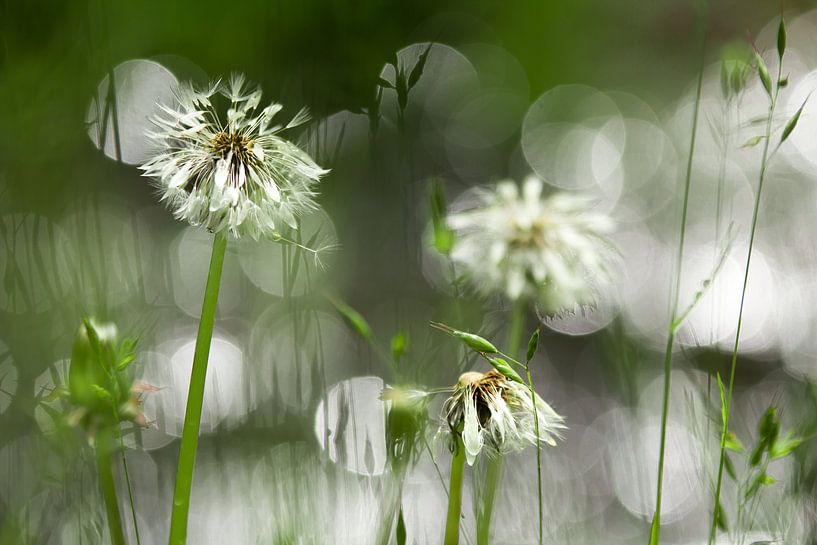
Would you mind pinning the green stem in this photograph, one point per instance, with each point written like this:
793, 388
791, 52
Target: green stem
195, 396
655, 532
130, 488
104, 452
538, 451
725, 430
452, 521
494, 469
492, 476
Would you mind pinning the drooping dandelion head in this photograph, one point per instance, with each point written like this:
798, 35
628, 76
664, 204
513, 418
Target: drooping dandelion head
226, 167
496, 415
547, 250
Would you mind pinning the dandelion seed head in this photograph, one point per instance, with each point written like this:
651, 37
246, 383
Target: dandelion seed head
231, 172
550, 251
496, 415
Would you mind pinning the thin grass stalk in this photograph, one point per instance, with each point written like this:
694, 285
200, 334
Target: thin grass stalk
129, 487
452, 520
104, 452
195, 396
538, 453
675, 288
725, 430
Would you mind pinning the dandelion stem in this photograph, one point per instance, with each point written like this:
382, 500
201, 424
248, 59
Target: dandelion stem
725, 430
494, 469
675, 288
104, 452
452, 521
195, 396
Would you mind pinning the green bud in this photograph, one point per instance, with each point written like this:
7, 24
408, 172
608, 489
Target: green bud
763, 73
475, 342
781, 39
533, 344
504, 367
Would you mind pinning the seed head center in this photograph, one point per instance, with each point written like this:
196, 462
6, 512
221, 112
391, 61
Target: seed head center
226, 142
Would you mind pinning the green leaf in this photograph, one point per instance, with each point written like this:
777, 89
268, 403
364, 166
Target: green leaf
769, 429
792, 123
533, 344
781, 39
504, 367
724, 408
101, 392
754, 141
763, 73
784, 447
766, 479
733, 443
125, 361
93, 337
730, 469
355, 320
720, 518
400, 532
398, 346
382, 82
417, 71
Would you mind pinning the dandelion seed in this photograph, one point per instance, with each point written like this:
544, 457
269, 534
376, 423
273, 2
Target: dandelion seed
231, 172
496, 415
545, 250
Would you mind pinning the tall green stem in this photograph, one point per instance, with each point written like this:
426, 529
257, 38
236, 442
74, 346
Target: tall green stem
494, 470
452, 521
725, 430
104, 452
195, 396
675, 288
493, 473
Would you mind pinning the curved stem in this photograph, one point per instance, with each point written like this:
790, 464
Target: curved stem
725, 430
452, 521
104, 452
195, 396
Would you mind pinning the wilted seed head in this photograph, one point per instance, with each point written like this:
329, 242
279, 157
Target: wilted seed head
230, 170
546, 250
493, 413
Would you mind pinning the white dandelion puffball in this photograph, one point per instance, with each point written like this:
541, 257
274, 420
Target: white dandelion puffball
231, 173
548, 250
496, 415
